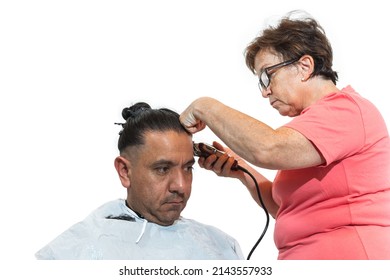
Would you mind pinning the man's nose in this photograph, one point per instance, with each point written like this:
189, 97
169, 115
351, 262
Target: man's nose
179, 182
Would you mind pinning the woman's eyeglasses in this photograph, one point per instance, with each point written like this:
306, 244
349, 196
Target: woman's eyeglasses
265, 75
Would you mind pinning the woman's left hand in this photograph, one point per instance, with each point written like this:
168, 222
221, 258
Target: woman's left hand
191, 119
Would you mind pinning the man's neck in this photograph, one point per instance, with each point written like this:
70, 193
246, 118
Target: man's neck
138, 214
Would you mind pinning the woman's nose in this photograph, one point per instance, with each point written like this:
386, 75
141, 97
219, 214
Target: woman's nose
266, 92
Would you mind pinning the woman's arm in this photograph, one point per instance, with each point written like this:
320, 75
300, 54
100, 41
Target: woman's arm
251, 139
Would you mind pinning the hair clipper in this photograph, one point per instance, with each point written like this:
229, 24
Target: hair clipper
205, 150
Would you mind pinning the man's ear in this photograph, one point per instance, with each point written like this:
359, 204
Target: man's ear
122, 166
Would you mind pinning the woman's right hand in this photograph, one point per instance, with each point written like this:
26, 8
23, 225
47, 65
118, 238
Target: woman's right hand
222, 165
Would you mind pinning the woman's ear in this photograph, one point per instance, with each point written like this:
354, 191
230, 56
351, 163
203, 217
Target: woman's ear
306, 66
122, 166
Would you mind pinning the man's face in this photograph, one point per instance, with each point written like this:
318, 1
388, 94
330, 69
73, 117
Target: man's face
160, 176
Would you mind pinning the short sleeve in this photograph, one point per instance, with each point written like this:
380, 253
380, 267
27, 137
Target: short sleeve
334, 125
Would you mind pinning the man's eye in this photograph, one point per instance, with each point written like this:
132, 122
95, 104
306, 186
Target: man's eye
162, 169
190, 168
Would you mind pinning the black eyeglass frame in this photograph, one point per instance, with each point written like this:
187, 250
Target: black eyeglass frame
266, 71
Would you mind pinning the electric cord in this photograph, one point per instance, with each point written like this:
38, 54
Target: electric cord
204, 150
262, 205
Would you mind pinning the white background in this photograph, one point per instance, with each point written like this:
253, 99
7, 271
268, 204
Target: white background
67, 68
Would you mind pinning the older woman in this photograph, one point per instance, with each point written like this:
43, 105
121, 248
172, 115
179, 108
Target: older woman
331, 195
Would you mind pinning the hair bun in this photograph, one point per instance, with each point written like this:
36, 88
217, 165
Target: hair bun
135, 110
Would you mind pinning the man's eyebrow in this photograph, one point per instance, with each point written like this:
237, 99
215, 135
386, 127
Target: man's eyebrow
169, 162
162, 162
192, 161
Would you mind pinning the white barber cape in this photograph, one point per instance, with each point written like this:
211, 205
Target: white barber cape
113, 231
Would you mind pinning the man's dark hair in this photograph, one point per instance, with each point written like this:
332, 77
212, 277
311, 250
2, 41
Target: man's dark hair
141, 118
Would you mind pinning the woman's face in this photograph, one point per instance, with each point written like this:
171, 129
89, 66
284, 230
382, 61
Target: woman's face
284, 89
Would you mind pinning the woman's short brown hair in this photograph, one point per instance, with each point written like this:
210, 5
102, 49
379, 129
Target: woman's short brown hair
293, 38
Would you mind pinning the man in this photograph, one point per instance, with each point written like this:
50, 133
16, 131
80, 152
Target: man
155, 166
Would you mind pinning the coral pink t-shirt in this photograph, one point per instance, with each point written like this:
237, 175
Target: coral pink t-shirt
340, 210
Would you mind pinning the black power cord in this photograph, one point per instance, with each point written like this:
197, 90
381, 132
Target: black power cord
262, 205
205, 150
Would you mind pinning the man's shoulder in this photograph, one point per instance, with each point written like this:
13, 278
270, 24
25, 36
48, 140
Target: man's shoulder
110, 208
194, 224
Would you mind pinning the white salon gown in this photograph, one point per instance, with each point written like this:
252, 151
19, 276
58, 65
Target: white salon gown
113, 231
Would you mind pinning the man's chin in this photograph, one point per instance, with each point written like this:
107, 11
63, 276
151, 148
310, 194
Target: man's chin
168, 218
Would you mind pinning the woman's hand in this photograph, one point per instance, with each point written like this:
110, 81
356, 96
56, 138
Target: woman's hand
221, 165
191, 117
